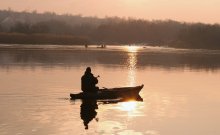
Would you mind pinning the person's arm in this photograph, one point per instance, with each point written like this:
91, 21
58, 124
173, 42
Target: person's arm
95, 79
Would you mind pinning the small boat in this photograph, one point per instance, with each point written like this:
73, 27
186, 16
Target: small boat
110, 93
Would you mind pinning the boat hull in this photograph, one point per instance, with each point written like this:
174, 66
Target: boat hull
113, 93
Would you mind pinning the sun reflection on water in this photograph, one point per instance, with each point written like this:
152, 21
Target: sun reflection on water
131, 65
130, 109
132, 48
128, 106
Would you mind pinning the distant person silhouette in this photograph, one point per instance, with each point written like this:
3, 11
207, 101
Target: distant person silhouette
88, 111
88, 81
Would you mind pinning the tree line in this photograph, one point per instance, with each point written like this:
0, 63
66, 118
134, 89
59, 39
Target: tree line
114, 30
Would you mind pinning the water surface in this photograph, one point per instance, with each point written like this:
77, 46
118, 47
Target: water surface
181, 93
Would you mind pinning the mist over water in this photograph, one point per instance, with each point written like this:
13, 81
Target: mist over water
181, 92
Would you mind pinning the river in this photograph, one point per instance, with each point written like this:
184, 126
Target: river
181, 94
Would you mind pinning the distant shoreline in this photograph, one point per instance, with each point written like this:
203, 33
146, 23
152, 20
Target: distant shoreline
62, 39
147, 48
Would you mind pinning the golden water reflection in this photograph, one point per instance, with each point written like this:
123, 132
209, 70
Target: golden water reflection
132, 48
128, 106
130, 109
132, 64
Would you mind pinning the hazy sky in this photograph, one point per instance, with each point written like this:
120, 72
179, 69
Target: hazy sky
207, 11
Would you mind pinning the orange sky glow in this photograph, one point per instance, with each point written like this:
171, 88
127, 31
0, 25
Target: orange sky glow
206, 11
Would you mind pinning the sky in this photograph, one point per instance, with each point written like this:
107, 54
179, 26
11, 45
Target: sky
205, 11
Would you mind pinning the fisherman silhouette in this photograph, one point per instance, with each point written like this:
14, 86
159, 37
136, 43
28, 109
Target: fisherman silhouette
88, 81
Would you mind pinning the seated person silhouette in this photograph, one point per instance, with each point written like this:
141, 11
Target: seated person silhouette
88, 81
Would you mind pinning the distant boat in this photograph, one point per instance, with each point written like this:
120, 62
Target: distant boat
110, 93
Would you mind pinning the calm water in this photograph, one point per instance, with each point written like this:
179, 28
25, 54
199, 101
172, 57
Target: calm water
181, 93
